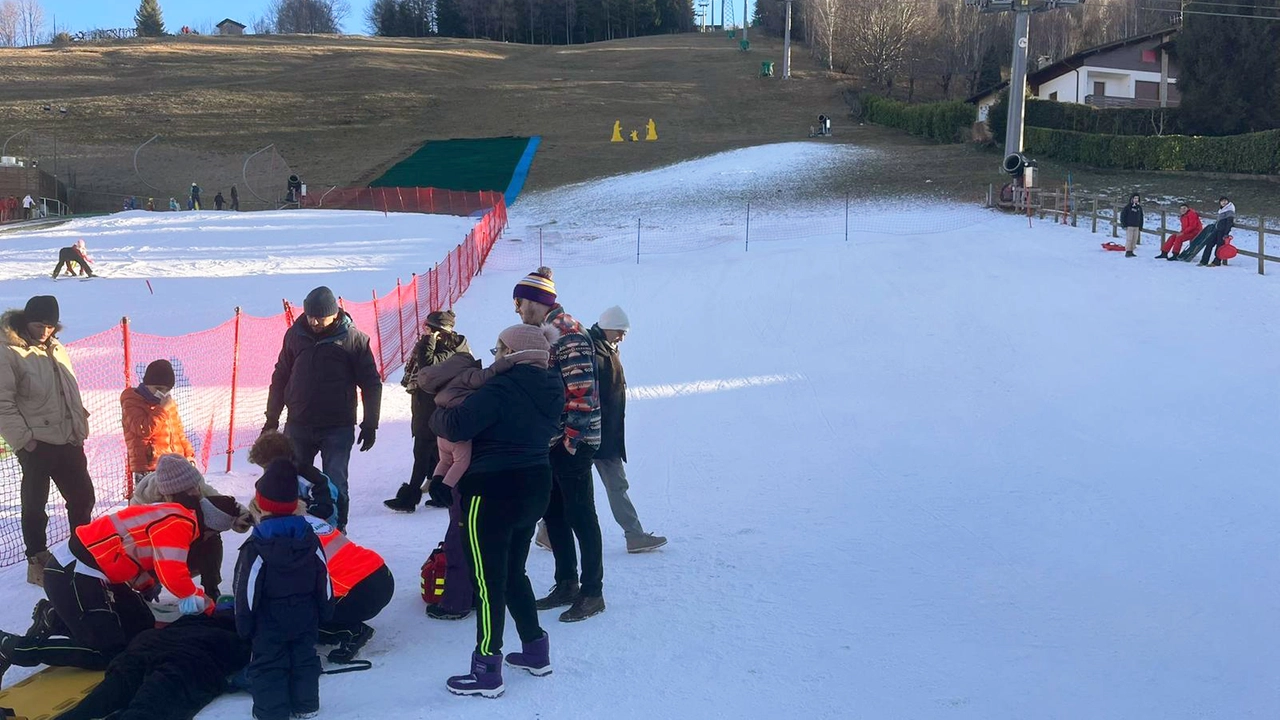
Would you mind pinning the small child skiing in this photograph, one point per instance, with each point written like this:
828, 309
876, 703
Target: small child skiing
282, 595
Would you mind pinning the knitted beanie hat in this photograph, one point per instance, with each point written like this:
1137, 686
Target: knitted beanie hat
218, 513
277, 489
175, 476
320, 302
41, 309
537, 287
159, 372
523, 338
614, 319
442, 319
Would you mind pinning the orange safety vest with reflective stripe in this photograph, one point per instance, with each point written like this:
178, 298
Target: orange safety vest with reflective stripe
348, 562
142, 543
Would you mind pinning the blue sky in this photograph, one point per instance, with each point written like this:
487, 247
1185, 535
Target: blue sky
77, 15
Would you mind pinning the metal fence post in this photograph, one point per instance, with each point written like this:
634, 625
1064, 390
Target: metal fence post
747, 246
400, 316
235, 374
846, 213
637, 241
1262, 245
1095, 216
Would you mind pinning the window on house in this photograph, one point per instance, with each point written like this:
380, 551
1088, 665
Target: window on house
1053, 96
1149, 56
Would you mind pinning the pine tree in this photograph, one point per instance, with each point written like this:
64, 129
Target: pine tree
1230, 70
148, 20
989, 70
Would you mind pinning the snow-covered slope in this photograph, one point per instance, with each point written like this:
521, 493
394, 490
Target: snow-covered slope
201, 265
990, 473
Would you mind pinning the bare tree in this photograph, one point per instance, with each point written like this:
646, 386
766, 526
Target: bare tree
9, 23
308, 16
823, 15
263, 25
30, 21
880, 32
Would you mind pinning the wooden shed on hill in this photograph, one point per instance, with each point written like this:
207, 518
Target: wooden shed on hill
230, 27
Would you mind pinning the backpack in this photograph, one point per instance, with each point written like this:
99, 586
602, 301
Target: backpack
433, 571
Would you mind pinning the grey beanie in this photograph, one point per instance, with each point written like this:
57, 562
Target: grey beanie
320, 303
175, 476
218, 512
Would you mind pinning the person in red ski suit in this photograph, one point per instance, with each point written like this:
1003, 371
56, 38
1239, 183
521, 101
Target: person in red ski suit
1191, 227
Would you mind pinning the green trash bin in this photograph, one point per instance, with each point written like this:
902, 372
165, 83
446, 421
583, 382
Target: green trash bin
766, 68
745, 45
733, 34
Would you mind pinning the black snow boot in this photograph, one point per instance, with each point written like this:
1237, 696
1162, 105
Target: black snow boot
1129, 253
1171, 258
562, 594
1216, 262
45, 621
435, 612
584, 607
406, 499
348, 649
1162, 256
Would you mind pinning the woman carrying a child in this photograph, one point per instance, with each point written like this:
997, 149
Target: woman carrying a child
507, 416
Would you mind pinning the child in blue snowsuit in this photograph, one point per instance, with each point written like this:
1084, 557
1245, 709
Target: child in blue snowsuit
282, 595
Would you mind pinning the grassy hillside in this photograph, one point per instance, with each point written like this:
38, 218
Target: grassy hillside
340, 110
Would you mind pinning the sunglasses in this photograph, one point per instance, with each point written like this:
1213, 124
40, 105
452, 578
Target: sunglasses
493, 352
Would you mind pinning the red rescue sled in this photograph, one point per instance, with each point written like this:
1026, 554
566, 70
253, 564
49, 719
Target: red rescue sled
1112, 246
1227, 251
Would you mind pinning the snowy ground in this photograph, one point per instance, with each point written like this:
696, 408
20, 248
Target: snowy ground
201, 265
989, 473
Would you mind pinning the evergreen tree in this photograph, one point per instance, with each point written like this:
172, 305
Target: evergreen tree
1230, 70
989, 70
148, 20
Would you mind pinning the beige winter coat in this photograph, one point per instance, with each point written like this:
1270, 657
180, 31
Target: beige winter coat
39, 396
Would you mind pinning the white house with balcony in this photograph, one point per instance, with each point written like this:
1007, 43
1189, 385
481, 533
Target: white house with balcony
1136, 72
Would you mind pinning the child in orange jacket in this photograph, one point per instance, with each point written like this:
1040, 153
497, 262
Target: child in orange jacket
152, 426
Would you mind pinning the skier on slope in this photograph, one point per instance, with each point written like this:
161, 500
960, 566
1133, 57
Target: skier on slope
1190, 227
195, 197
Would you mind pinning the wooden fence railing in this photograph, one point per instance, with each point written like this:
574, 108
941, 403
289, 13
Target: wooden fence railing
1070, 208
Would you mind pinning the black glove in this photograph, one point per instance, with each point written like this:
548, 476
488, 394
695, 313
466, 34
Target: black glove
270, 424
152, 593
367, 438
440, 492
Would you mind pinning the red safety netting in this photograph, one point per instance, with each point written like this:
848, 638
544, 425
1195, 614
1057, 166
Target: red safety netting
222, 374
424, 200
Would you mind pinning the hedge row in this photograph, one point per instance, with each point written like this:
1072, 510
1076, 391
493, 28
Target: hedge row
1253, 153
1082, 118
944, 122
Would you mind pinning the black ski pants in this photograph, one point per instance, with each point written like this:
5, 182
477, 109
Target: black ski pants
99, 620
426, 455
500, 513
362, 603
68, 255
572, 513
284, 674
205, 559
67, 466
1220, 232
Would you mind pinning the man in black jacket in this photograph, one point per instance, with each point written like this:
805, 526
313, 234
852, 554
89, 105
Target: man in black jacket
324, 358
438, 344
1131, 220
605, 336
168, 673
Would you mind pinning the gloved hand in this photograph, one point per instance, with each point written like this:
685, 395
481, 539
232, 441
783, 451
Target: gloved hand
440, 492
151, 594
270, 425
366, 439
193, 605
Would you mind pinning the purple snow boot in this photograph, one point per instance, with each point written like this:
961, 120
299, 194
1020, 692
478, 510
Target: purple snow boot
534, 656
484, 680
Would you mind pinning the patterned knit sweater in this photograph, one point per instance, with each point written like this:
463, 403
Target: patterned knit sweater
573, 356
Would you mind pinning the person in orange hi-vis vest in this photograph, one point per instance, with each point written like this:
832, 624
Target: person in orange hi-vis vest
99, 581
362, 587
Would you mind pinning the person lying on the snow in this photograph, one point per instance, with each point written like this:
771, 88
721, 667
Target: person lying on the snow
74, 254
282, 595
1190, 227
98, 581
170, 673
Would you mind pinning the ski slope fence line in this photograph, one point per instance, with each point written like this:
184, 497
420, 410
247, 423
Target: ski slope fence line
222, 374
631, 239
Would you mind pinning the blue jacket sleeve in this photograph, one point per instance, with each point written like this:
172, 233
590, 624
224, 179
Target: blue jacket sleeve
324, 588
468, 419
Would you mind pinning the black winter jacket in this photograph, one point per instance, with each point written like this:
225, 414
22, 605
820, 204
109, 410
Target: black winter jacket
613, 398
1131, 216
316, 377
510, 420
282, 579
429, 351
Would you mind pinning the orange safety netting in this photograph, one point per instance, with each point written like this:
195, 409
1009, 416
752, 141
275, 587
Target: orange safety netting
222, 374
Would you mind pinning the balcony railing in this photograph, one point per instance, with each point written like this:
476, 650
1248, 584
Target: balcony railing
1106, 101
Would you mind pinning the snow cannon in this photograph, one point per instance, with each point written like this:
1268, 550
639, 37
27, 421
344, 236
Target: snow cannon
1021, 167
